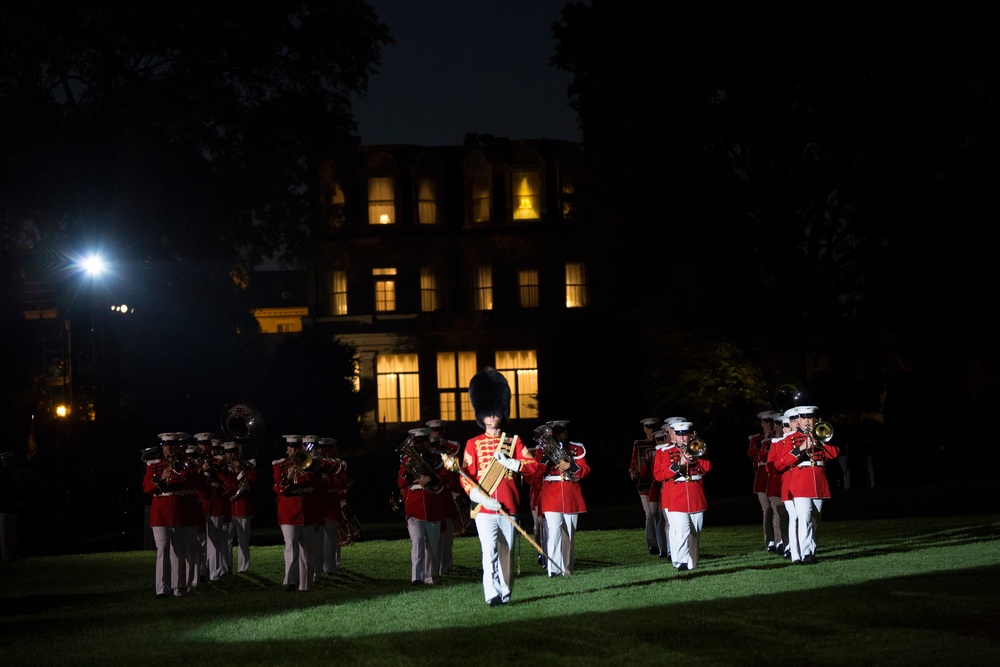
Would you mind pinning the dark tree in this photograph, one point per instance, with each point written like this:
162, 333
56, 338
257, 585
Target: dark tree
803, 176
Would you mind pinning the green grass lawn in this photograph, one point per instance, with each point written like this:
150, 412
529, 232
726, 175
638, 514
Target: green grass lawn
886, 592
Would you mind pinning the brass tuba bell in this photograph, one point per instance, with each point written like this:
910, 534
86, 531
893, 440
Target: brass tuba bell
242, 423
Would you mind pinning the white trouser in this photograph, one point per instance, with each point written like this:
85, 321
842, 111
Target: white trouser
173, 558
685, 537
496, 537
662, 527
560, 529
651, 510
425, 548
298, 546
331, 547
239, 536
793, 531
809, 511
216, 540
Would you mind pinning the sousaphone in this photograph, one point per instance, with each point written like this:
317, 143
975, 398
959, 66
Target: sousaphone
242, 423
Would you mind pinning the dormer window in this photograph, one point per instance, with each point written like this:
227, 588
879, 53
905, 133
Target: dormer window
527, 193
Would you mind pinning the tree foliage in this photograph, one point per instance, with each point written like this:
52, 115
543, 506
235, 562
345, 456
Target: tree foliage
180, 130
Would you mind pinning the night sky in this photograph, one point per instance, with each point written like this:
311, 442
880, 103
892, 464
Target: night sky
462, 67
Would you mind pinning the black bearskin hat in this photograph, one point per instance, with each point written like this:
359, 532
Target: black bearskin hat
489, 394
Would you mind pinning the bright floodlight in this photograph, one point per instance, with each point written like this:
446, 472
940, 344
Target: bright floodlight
93, 265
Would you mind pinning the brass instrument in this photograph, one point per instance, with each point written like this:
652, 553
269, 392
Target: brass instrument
242, 423
302, 460
349, 530
417, 466
822, 431
554, 452
396, 503
695, 449
242, 480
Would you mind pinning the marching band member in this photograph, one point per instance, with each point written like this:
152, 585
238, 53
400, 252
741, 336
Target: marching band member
239, 488
425, 487
534, 500
684, 495
804, 461
336, 484
641, 471
300, 511
174, 515
218, 512
778, 480
772, 489
449, 528
561, 499
491, 460
760, 445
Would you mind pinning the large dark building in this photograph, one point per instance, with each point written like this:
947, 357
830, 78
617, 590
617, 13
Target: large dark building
437, 262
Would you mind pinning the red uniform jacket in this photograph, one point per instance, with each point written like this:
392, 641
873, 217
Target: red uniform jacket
176, 500
757, 452
479, 451
421, 503
301, 501
242, 504
805, 473
683, 489
558, 494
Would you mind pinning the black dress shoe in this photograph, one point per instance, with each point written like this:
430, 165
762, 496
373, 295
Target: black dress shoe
809, 559
496, 602
770, 548
160, 596
683, 567
416, 582
541, 560
787, 554
654, 550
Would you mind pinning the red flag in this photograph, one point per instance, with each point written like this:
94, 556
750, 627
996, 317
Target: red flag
32, 443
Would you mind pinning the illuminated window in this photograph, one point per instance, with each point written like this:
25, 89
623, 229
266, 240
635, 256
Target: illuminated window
336, 292
484, 288
381, 200
385, 290
428, 290
427, 201
521, 370
479, 195
567, 198
527, 288
397, 377
454, 371
527, 193
576, 286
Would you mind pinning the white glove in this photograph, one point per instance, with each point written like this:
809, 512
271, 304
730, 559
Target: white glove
510, 464
486, 501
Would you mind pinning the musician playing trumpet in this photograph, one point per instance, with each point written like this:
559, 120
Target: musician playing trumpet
803, 461
682, 468
424, 484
